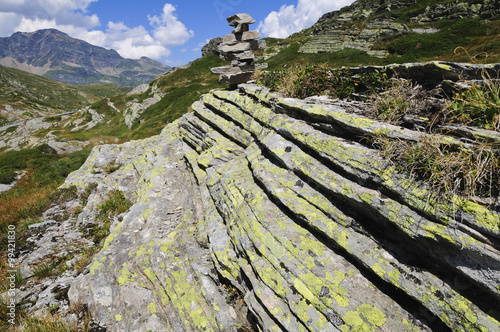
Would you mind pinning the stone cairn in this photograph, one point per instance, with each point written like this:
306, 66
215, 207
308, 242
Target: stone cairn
238, 48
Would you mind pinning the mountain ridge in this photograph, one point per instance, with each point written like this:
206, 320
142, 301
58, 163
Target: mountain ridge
58, 56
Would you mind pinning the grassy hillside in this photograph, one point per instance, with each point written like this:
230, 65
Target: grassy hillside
463, 40
26, 91
460, 40
181, 87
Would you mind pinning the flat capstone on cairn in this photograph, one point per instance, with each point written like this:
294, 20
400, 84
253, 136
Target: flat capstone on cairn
238, 48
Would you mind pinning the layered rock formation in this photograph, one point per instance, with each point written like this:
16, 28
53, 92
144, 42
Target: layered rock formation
238, 48
256, 211
364, 24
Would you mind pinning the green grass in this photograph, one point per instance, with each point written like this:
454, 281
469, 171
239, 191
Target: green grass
48, 167
302, 81
348, 57
478, 106
20, 88
115, 204
452, 34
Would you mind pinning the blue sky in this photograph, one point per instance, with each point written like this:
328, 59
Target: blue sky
170, 31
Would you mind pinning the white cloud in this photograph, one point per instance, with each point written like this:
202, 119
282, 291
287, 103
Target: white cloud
168, 29
64, 12
291, 19
132, 42
73, 18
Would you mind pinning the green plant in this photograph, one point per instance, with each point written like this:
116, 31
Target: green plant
53, 308
478, 106
44, 270
112, 167
115, 204
84, 196
11, 129
64, 194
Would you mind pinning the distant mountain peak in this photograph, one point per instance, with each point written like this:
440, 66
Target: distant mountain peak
56, 55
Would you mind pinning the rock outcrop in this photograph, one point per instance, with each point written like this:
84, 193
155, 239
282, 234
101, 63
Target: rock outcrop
363, 24
486, 9
238, 48
212, 47
256, 211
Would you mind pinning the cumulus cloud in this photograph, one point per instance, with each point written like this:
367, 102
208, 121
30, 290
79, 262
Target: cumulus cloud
132, 42
64, 12
291, 19
168, 29
73, 18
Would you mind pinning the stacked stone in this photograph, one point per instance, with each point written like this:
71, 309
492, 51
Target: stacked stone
238, 48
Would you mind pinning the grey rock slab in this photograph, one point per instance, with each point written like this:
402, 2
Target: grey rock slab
236, 19
240, 56
239, 37
251, 45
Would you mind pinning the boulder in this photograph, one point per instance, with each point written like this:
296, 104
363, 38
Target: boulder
212, 47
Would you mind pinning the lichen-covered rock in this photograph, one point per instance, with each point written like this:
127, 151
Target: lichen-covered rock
247, 215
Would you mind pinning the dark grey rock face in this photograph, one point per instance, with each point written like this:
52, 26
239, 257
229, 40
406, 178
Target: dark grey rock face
60, 57
212, 47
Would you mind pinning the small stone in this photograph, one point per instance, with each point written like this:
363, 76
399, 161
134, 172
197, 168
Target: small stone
240, 19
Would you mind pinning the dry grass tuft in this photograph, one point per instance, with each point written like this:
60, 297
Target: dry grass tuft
446, 168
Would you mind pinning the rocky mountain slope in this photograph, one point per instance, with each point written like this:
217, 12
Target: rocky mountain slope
396, 27
55, 55
256, 212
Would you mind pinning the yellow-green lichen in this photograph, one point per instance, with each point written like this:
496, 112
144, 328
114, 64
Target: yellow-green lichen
125, 276
96, 264
116, 231
152, 308
441, 65
372, 314
483, 216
